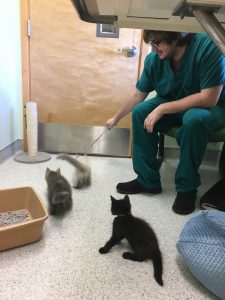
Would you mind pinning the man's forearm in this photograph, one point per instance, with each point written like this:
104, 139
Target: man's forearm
205, 99
132, 100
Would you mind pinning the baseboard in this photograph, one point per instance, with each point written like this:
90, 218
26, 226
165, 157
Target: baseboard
7, 152
10, 150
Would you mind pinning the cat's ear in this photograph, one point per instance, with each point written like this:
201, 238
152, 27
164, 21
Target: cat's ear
112, 198
47, 172
58, 171
127, 198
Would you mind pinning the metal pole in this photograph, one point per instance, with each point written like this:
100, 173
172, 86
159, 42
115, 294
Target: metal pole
212, 26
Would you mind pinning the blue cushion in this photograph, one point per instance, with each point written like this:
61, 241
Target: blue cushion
202, 247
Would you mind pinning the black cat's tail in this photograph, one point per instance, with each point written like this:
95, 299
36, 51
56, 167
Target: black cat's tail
158, 267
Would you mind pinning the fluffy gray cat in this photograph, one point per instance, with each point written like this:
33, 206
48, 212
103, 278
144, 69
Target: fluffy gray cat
59, 192
82, 175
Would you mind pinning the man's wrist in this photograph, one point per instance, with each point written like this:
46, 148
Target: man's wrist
161, 109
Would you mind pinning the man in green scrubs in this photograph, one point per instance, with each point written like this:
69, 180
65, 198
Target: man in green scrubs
187, 71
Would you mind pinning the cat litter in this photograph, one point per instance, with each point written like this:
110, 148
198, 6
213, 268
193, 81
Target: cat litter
14, 217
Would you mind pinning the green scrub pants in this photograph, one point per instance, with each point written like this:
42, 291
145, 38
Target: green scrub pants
197, 124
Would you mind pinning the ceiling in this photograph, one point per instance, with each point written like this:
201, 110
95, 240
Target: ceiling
148, 14
169, 15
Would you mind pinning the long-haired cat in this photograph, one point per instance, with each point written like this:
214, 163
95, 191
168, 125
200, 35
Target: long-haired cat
140, 235
82, 175
59, 192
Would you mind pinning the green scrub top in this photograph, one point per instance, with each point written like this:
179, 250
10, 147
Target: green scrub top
202, 66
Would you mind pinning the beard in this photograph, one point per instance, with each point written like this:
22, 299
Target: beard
168, 53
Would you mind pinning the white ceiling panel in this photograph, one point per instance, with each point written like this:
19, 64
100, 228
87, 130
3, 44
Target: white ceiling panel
152, 9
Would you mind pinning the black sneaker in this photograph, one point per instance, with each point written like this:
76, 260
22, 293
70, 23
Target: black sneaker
134, 187
184, 203
214, 198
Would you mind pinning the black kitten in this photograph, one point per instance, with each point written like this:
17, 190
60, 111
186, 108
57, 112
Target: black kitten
59, 192
139, 234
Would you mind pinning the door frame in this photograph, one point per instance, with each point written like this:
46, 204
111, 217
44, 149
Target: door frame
25, 47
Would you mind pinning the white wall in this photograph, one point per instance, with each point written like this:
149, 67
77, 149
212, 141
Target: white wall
11, 127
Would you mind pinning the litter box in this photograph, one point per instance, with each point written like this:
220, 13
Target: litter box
28, 231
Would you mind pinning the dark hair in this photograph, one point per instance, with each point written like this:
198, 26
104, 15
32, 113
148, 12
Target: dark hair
182, 38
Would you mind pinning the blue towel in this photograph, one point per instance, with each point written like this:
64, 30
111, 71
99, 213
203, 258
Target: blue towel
202, 247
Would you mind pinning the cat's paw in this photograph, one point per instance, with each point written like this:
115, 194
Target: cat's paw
102, 250
127, 255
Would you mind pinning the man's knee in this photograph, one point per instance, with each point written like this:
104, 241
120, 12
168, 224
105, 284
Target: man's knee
141, 111
195, 126
195, 118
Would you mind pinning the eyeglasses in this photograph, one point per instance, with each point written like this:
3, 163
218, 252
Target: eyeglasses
155, 43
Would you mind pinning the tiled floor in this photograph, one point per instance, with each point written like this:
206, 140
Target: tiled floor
65, 263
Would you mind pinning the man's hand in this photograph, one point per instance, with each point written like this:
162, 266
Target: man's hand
152, 119
111, 123
134, 98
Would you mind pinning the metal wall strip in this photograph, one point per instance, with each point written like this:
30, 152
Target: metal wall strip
74, 139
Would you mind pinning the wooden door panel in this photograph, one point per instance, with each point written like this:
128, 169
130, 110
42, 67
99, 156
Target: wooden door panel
77, 78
